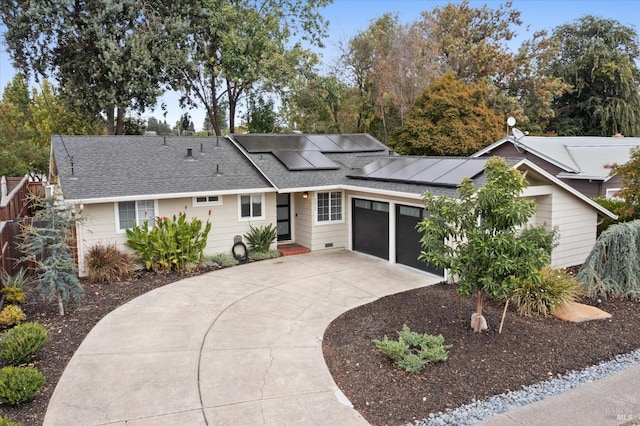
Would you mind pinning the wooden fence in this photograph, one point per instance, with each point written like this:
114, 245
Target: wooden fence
14, 210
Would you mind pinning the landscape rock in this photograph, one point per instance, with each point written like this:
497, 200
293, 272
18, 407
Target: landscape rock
579, 312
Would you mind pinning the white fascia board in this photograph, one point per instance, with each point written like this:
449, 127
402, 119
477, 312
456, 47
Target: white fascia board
537, 190
169, 196
566, 187
383, 192
490, 147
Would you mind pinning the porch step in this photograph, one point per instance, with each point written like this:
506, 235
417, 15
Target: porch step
292, 249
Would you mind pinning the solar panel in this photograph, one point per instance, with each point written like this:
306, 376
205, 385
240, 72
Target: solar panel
469, 168
433, 171
411, 168
318, 160
266, 143
324, 144
367, 142
304, 160
293, 160
391, 168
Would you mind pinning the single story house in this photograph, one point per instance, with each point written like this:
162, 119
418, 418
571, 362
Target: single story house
322, 191
580, 161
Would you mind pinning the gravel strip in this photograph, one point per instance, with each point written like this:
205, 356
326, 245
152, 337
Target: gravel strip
478, 411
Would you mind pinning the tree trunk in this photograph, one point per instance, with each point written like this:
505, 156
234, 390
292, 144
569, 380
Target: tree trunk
120, 121
60, 304
479, 301
111, 128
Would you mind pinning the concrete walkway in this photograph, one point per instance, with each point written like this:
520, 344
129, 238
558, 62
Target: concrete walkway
238, 346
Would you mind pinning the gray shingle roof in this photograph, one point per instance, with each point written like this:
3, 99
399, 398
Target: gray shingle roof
580, 157
350, 165
106, 167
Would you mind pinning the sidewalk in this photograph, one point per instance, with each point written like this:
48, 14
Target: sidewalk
238, 346
613, 400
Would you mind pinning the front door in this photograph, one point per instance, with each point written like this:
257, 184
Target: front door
284, 217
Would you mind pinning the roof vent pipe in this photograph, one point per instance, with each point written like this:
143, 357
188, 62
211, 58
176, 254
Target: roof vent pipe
201, 148
164, 141
189, 153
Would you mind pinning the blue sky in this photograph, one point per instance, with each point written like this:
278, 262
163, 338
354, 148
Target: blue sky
348, 17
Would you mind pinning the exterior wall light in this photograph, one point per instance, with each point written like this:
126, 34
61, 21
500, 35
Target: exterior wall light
305, 195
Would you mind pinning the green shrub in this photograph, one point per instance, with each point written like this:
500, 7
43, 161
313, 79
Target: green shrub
613, 266
261, 238
544, 291
6, 422
107, 264
270, 254
13, 295
11, 315
618, 207
19, 384
412, 351
19, 344
12, 286
170, 243
224, 259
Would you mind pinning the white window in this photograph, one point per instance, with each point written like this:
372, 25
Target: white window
612, 193
207, 200
251, 206
131, 213
329, 206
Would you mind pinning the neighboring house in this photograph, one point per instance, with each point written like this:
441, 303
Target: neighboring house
579, 161
322, 191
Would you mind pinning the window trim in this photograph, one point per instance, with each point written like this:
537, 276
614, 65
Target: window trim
138, 221
610, 193
251, 217
329, 221
196, 203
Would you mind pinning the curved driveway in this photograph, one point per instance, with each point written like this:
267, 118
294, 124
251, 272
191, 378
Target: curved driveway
237, 346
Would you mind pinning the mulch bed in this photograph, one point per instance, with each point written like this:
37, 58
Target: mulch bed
479, 365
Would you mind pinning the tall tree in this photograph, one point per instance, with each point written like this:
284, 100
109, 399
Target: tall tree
360, 58
231, 46
473, 42
261, 117
28, 119
598, 59
99, 52
450, 118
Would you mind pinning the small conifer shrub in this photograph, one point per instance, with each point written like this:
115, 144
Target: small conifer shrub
19, 384
11, 315
19, 344
412, 351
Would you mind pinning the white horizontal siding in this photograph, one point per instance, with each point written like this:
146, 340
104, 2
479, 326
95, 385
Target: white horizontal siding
576, 222
99, 223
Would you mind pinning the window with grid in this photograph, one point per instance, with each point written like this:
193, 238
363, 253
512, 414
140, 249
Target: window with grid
329, 206
251, 206
131, 213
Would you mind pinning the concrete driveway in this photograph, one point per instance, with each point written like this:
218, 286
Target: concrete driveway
238, 346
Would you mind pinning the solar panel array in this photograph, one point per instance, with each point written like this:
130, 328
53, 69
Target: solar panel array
306, 152
431, 171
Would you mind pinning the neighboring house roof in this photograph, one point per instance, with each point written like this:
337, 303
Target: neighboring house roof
580, 157
108, 168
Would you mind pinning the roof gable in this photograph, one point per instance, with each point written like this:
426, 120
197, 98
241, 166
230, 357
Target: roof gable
579, 157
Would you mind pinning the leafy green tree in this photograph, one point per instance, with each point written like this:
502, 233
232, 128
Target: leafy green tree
160, 127
45, 243
261, 117
226, 47
28, 119
101, 47
630, 186
450, 118
598, 59
477, 237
